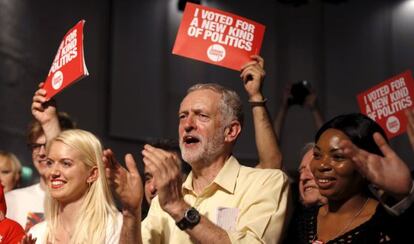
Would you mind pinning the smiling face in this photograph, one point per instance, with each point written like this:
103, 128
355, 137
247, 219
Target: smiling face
308, 189
201, 133
67, 176
336, 175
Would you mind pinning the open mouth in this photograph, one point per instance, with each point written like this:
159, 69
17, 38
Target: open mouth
190, 140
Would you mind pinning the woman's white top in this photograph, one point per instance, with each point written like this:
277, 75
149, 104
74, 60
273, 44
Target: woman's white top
113, 231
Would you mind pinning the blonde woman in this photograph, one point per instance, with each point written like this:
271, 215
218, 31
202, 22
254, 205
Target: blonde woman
10, 169
79, 205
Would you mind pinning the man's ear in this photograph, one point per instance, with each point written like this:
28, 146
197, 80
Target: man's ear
93, 175
232, 131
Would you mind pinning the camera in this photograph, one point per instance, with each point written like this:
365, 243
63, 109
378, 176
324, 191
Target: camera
298, 92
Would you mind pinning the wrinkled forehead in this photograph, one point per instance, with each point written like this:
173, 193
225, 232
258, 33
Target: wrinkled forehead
200, 99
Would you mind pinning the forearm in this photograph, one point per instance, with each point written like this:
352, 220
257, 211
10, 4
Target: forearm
51, 128
131, 229
280, 120
268, 148
317, 117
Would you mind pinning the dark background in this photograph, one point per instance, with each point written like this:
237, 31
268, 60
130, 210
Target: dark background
135, 85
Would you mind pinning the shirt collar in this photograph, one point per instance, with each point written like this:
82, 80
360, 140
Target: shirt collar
226, 178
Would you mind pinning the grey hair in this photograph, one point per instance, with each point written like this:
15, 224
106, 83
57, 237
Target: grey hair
308, 146
230, 104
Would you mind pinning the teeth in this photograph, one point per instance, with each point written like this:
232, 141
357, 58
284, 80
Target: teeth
323, 180
308, 188
57, 183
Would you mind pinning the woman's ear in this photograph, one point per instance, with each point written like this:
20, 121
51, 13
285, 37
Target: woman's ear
93, 175
232, 131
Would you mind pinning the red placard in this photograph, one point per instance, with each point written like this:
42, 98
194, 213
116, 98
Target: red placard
385, 103
69, 63
217, 37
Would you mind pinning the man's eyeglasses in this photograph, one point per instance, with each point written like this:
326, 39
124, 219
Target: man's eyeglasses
36, 146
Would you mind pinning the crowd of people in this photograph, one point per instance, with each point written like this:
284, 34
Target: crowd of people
352, 187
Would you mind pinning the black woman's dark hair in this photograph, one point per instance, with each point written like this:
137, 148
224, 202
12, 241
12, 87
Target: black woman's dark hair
358, 127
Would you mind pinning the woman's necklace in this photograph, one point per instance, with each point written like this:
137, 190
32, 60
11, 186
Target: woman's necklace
343, 230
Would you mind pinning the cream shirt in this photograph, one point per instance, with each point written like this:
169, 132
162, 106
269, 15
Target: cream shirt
250, 204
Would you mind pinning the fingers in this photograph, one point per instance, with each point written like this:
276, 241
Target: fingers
259, 60
357, 155
39, 100
255, 59
383, 145
28, 239
162, 164
248, 64
110, 160
131, 164
251, 72
157, 154
159, 166
40, 96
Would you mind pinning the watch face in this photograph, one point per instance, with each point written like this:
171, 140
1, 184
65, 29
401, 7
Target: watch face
192, 216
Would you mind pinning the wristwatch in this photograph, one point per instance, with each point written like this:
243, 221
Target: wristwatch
191, 218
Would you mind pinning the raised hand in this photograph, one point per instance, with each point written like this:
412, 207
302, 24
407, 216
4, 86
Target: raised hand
252, 73
164, 167
389, 173
126, 182
43, 110
45, 113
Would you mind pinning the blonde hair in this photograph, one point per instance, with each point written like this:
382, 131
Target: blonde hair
16, 165
11, 157
98, 208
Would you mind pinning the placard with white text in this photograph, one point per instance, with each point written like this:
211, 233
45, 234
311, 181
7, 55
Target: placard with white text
69, 63
217, 37
385, 103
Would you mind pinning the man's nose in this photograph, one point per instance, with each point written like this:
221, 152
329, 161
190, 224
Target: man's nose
306, 174
42, 151
189, 123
